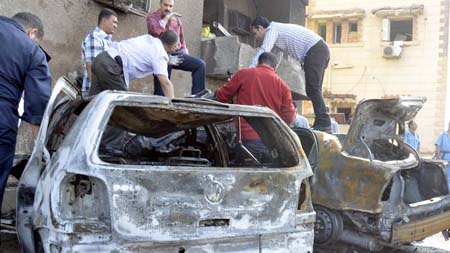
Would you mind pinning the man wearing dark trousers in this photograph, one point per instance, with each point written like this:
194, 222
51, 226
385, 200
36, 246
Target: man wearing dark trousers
23, 68
309, 49
165, 19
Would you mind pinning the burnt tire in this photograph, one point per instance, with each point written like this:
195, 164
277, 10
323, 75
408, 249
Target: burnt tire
328, 226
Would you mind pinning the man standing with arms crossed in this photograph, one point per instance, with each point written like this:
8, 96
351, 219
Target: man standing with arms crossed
308, 48
165, 19
96, 42
23, 67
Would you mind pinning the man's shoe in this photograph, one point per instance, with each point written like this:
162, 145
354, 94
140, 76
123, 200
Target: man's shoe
326, 129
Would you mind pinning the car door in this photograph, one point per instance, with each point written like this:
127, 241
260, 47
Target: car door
64, 100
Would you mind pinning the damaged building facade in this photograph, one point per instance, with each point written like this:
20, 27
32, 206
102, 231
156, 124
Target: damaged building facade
397, 48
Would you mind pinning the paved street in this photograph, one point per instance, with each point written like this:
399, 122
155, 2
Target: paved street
433, 244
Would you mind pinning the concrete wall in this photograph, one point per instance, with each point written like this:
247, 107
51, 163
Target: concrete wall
359, 68
67, 22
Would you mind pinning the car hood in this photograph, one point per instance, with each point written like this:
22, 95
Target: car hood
381, 119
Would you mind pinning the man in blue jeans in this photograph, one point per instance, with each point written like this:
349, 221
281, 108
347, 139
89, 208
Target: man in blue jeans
165, 19
443, 149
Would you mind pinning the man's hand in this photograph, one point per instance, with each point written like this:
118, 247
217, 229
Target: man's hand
175, 60
176, 14
172, 15
166, 86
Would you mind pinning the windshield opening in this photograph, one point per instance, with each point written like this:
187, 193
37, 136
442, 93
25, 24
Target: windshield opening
189, 137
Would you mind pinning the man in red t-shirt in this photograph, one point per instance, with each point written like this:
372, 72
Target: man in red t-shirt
259, 86
165, 19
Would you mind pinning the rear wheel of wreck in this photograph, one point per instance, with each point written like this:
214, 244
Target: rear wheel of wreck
328, 227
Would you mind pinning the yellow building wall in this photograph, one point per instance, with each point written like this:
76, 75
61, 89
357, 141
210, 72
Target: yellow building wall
359, 68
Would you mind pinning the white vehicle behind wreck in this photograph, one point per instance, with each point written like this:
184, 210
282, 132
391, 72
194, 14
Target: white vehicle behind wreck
183, 183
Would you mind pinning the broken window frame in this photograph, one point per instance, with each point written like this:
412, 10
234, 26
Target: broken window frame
285, 153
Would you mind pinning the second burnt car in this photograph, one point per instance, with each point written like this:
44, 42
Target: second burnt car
181, 182
370, 188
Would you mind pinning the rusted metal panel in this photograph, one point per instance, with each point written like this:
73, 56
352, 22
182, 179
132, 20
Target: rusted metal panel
414, 231
387, 194
355, 176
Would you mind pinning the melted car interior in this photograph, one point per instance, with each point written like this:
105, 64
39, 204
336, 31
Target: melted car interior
190, 137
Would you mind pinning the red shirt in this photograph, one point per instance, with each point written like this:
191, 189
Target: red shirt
259, 86
155, 28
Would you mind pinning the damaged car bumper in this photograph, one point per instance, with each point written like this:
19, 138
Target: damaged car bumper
417, 227
288, 243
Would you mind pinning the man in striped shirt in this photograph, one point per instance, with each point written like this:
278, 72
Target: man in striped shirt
309, 49
96, 42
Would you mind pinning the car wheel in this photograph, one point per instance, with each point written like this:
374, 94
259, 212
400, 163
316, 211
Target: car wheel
328, 226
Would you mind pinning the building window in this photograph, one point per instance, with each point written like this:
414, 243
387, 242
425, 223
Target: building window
401, 30
322, 31
353, 26
347, 112
138, 7
337, 33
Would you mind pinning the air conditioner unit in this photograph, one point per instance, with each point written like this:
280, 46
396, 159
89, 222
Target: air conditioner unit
392, 51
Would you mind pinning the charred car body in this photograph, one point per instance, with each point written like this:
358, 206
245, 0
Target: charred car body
183, 181
375, 190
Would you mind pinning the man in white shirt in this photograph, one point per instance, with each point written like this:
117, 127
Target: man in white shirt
134, 58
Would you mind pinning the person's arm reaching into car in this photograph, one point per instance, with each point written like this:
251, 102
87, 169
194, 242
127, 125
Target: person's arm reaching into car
166, 86
269, 41
37, 87
227, 92
37, 90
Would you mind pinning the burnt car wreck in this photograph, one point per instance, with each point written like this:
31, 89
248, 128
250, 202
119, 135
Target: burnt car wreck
375, 190
182, 181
